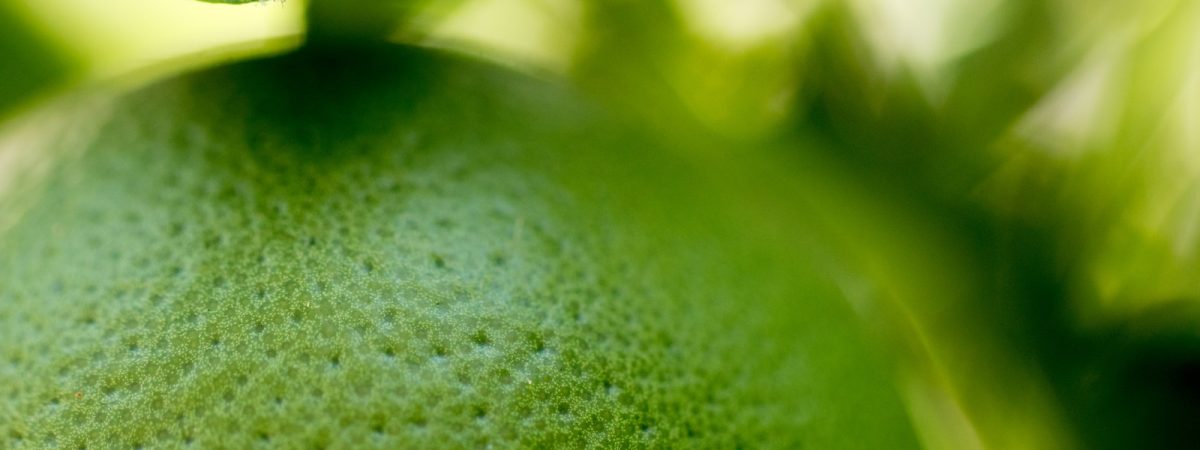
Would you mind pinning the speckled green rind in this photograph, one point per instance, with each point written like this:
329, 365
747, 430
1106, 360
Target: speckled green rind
394, 248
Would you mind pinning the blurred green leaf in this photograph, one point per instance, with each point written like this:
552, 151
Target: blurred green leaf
348, 20
1079, 238
929, 154
626, 61
32, 65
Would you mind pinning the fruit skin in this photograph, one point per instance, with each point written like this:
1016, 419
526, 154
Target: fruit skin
392, 247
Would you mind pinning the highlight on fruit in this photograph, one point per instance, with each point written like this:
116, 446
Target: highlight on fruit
842, 224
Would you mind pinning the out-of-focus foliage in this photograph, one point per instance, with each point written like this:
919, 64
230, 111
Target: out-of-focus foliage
1015, 181
31, 64
1058, 147
119, 40
372, 19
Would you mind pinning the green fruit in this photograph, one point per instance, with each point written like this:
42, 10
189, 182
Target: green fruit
392, 247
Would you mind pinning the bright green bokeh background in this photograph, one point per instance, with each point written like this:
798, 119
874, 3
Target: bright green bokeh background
1015, 182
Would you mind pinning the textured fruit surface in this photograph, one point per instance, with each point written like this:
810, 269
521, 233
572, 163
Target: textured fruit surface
398, 248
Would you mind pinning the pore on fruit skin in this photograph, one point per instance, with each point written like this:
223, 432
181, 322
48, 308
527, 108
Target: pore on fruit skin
393, 247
